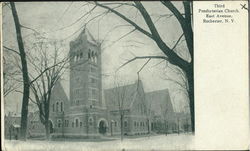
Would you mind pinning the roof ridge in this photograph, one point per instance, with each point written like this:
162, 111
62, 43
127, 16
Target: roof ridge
119, 86
166, 89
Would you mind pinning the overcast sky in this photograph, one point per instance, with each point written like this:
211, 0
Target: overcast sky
50, 17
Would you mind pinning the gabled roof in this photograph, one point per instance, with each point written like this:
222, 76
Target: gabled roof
59, 89
125, 93
159, 102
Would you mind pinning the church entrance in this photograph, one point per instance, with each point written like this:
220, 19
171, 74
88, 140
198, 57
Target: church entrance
102, 127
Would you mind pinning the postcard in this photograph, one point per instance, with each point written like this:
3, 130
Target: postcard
125, 75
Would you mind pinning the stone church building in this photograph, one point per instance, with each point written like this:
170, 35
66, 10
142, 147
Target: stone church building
88, 110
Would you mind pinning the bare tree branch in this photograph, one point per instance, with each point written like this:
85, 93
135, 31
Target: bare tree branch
174, 10
65, 11
8, 90
158, 63
116, 27
30, 29
126, 19
120, 38
184, 22
11, 50
84, 15
173, 57
177, 41
116, 3
142, 57
29, 97
48, 68
143, 66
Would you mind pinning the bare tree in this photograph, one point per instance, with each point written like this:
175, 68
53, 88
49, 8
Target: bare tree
119, 95
26, 90
48, 69
10, 74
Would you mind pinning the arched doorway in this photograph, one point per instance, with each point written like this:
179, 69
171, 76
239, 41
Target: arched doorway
51, 129
102, 127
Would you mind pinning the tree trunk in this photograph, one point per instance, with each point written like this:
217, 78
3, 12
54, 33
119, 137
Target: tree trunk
47, 126
148, 126
26, 91
122, 131
47, 129
190, 78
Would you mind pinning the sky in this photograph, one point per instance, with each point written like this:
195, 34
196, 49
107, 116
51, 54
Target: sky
60, 21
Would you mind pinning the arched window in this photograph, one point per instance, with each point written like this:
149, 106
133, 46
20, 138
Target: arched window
95, 59
76, 122
80, 124
81, 55
61, 106
72, 124
92, 56
53, 107
59, 123
125, 123
89, 54
90, 121
57, 106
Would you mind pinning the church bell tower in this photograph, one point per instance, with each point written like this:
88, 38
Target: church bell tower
85, 71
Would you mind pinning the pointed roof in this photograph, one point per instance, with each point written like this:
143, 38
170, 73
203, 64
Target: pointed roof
159, 101
126, 93
64, 83
58, 89
86, 33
